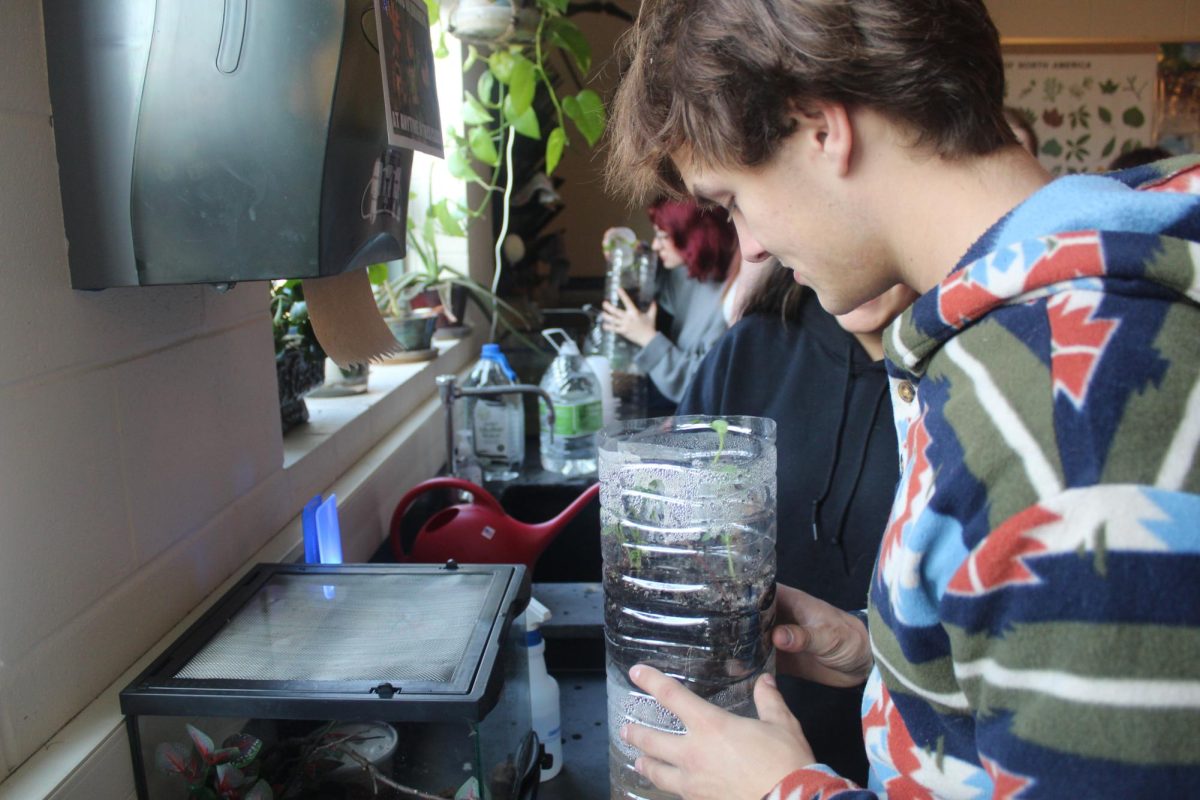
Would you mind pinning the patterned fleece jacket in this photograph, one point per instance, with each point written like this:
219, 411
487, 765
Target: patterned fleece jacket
1035, 610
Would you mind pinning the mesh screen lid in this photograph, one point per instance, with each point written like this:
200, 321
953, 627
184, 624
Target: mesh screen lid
395, 628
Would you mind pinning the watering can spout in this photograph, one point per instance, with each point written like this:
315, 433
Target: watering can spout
552, 527
478, 532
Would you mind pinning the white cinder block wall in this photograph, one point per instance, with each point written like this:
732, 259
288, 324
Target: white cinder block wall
140, 447
140, 454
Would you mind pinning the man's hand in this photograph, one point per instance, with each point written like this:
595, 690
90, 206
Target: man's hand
636, 326
819, 642
722, 756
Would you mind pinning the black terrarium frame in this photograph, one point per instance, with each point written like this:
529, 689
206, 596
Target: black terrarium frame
464, 689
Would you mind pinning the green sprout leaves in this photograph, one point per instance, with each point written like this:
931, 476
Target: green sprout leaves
722, 428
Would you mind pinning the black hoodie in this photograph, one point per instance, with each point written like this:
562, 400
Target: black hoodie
837, 473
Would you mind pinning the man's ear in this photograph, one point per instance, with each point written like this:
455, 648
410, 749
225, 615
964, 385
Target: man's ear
827, 130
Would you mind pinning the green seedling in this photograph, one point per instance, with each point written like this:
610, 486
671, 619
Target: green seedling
722, 428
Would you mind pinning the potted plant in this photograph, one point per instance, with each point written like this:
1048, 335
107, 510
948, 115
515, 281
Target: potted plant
299, 358
412, 301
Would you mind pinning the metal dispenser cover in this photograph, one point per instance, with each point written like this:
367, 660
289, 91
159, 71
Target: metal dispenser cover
222, 141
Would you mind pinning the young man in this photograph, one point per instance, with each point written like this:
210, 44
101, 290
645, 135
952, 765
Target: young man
1035, 611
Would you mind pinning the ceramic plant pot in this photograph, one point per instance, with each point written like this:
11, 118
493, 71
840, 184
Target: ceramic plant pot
414, 331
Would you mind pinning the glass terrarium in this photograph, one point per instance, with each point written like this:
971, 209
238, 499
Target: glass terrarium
348, 681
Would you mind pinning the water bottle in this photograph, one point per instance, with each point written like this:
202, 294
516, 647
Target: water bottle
631, 266
466, 465
578, 410
496, 424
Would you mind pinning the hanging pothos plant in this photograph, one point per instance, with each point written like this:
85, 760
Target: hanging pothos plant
501, 106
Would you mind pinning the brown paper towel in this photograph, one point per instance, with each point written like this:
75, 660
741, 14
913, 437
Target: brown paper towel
346, 319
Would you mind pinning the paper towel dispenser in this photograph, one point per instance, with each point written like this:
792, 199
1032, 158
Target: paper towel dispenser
222, 140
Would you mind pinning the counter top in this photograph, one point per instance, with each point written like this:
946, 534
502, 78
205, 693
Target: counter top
575, 657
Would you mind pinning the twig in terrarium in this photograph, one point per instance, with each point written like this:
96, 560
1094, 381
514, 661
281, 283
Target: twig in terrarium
376, 775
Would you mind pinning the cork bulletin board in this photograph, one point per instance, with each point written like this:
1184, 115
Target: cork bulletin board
1086, 106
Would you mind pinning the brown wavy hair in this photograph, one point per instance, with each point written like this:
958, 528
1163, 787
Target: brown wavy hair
719, 80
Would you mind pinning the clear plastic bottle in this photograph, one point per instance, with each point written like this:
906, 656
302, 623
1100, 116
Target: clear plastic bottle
466, 465
575, 392
687, 520
632, 266
497, 424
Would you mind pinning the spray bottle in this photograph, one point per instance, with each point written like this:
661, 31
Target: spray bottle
543, 690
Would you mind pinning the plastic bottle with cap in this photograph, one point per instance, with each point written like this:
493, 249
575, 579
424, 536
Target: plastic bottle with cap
543, 690
497, 423
575, 392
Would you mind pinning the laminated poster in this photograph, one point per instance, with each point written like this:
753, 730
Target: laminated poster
409, 89
1085, 109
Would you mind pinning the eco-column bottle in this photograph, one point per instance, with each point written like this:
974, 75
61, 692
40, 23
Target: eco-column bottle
578, 410
687, 531
497, 424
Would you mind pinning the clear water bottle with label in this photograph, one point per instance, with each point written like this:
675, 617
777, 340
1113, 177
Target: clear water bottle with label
578, 410
496, 424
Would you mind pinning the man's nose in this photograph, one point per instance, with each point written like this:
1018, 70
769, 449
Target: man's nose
751, 249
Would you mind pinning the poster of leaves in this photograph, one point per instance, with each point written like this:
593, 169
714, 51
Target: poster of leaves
1085, 109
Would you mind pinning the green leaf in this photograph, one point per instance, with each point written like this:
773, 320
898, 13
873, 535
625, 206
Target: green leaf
1052, 148
433, 7
377, 274
442, 50
446, 219
586, 110
559, 6
721, 426
1105, 115
525, 123
474, 113
1133, 117
482, 147
472, 57
486, 88
1108, 148
501, 65
554, 148
566, 34
459, 166
522, 84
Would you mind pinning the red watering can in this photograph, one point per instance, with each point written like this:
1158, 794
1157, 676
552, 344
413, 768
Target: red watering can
479, 532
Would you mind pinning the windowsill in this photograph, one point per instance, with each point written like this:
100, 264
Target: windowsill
327, 416
350, 446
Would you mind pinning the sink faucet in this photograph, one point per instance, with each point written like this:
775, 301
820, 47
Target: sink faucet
449, 391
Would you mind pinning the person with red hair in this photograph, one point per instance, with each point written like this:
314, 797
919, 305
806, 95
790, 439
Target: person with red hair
700, 298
